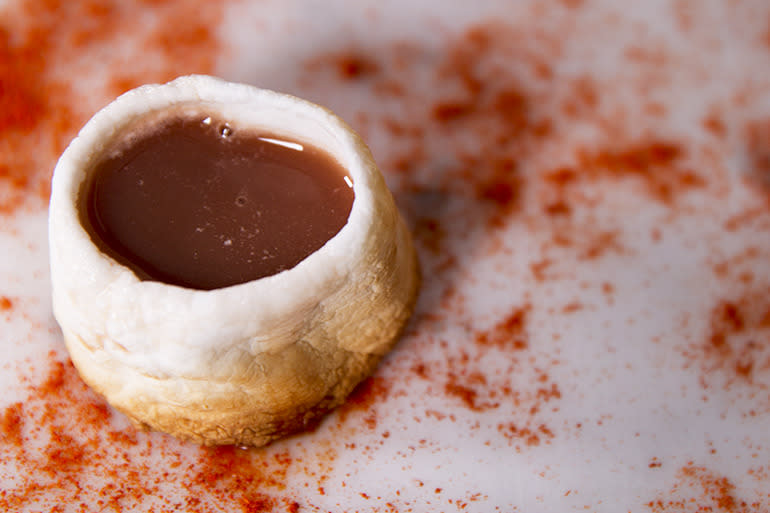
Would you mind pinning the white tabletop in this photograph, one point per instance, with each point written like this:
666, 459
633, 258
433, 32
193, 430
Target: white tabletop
588, 184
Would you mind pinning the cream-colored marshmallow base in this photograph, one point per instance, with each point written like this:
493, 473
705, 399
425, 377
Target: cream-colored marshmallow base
249, 363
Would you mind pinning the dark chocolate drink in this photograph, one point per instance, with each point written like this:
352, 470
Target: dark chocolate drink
194, 202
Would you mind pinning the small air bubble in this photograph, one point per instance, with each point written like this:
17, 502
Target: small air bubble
228, 242
240, 201
206, 121
226, 131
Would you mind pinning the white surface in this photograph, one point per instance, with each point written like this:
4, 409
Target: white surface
637, 384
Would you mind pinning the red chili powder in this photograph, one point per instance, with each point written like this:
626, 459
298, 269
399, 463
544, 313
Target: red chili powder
10, 424
656, 163
495, 111
347, 66
698, 488
510, 333
467, 387
562, 177
5, 303
767, 36
539, 269
715, 125
363, 400
572, 307
583, 100
468, 381
737, 345
500, 113
530, 436
758, 149
45, 46
63, 434
573, 4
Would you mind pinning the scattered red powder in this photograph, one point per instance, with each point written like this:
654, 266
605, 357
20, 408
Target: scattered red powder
44, 44
467, 392
737, 345
5, 303
10, 424
538, 269
758, 148
474, 136
225, 469
562, 177
583, 100
715, 125
573, 4
496, 122
468, 382
572, 307
658, 166
530, 436
558, 208
502, 189
348, 66
62, 435
601, 243
699, 489
364, 399
655, 163
510, 333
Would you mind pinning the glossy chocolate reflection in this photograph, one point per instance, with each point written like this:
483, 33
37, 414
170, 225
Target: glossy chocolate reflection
197, 203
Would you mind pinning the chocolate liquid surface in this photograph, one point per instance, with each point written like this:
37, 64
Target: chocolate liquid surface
197, 203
